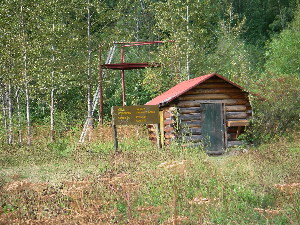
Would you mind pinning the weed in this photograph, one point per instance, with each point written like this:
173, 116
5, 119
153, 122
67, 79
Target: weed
145, 185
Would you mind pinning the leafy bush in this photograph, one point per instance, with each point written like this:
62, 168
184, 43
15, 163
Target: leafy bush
283, 51
276, 108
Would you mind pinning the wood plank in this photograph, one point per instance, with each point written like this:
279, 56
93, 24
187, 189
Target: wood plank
190, 124
213, 127
151, 128
215, 80
167, 114
213, 91
232, 137
158, 141
213, 96
168, 141
215, 85
168, 122
236, 115
234, 143
231, 130
197, 103
193, 138
193, 131
236, 108
169, 135
237, 123
193, 145
168, 129
225, 128
239, 131
236, 119
152, 135
161, 127
191, 116
154, 140
190, 110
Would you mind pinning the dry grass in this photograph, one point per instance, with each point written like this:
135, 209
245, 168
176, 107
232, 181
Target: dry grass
146, 185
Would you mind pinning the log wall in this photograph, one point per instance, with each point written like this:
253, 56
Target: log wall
168, 128
188, 111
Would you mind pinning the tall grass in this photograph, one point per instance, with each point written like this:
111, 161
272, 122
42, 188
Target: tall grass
68, 183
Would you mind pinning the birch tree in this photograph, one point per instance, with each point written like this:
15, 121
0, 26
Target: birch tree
25, 68
10, 62
4, 113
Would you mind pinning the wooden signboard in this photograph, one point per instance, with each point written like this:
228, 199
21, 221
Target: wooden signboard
135, 115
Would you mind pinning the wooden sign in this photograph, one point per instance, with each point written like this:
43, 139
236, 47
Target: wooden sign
135, 115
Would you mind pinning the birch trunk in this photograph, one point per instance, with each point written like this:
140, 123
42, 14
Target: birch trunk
27, 102
25, 75
52, 131
4, 112
187, 41
100, 90
89, 97
19, 116
52, 105
10, 124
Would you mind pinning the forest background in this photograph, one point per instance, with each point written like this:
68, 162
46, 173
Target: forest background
49, 56
49, 71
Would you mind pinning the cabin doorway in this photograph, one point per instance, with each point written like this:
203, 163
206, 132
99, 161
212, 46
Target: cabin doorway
213, 128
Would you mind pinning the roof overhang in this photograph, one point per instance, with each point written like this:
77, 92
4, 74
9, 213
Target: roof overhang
128, 66
184, 87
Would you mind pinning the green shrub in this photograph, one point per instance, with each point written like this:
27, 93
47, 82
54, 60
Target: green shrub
276, 109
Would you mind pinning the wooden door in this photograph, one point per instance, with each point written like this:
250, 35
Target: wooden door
213, 128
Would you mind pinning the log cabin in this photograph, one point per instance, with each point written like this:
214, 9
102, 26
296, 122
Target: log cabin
209, 111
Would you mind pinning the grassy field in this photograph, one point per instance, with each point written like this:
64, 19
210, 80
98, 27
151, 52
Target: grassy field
67, 183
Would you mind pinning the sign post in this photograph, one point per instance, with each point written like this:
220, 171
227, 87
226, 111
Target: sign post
134, 115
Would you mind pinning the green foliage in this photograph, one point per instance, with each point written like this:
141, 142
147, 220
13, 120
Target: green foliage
230, 56
264, 18
227, 37
283, 55
276, 108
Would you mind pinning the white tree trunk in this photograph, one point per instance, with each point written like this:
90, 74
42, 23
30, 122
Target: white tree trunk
4, 111
10, 124
27, 104
52, 131
52, 105
25, 75
89, 97
187, 41
19, 116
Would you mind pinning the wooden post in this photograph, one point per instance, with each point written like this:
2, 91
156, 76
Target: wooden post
123, 87
123, 78
115, 136
162, 126
158, 136
100, 90
225, 126
115, 133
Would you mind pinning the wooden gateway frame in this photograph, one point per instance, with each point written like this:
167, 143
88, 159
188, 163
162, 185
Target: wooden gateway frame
190, 109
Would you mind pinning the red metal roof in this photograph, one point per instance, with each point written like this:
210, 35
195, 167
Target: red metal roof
183, 87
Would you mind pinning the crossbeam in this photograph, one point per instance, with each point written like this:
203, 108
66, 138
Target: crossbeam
129, 44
